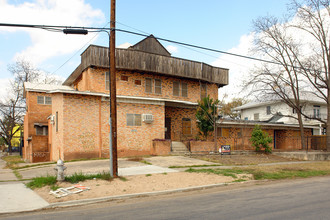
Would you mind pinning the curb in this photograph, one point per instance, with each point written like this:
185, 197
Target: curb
130, 196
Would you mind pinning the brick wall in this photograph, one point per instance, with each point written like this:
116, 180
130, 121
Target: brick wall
93, 79
137, 140
36, 113
176, 115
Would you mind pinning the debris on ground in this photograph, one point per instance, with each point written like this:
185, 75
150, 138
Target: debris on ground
69, 190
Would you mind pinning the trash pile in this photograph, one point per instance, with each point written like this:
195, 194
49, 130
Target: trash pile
61, 192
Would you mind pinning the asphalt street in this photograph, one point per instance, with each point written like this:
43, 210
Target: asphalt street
296, 199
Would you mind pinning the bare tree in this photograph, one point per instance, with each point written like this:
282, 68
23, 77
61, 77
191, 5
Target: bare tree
299, 51
12, 108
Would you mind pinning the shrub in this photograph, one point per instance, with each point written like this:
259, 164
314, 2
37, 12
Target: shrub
261, 140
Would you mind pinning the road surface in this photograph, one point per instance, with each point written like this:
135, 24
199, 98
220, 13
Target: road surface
296, 199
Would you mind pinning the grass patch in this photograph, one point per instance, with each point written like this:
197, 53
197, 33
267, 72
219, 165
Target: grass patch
123, 178
239, 180
225, 172
286, 174
18, 175
192, 166
39, 182
79, 177
54, 187
33, 165
146, 162
148, 175
12, 161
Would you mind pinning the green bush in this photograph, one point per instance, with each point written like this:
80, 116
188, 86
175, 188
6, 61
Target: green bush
261, 140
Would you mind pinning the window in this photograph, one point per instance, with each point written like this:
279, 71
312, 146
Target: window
256, 116
184, 89
42, 130
176, 88
246, 118
138, 82
107, 81
180, 88
44, 100
148, 85
158, 86
133, 119
316, 111
268, 110
203, 90
124, 78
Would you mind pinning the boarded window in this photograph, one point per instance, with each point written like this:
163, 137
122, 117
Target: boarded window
186, 126
176, 88
256, 116
158, 86
124, 78
137, 82
133, 119
184, 89
148, 85
203, 90
107, 81
223, 132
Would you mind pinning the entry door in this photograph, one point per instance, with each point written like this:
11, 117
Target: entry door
167, 128
186, 126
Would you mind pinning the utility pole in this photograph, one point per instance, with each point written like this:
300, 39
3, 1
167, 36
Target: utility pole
113, 101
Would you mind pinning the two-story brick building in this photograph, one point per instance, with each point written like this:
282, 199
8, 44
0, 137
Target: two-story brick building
157, 95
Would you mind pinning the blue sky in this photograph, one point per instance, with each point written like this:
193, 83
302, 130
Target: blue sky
218, 24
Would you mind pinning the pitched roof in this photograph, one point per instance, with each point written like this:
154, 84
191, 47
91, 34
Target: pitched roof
151, 45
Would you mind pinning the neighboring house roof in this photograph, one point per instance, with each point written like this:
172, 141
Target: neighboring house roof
249, 123
306, 97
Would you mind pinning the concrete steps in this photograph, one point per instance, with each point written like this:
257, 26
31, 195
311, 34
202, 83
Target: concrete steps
178, 148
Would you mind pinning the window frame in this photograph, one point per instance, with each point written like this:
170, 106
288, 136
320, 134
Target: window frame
146, 84
203, 86
44, 130
133, 120
158, 87
184, 94
107, 81
46, 100
176, 86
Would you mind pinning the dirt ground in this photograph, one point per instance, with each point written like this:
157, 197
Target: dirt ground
253, 159
166, 181
137, 184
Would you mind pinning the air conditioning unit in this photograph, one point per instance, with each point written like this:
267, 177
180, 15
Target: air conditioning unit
147, 118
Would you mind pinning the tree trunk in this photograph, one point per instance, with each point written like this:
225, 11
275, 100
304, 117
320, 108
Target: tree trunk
302, 132
328, 123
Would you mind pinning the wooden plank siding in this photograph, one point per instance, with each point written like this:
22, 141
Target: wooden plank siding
130, 59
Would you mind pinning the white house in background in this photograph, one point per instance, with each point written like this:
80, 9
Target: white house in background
279, 112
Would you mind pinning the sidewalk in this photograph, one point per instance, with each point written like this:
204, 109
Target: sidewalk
15, 197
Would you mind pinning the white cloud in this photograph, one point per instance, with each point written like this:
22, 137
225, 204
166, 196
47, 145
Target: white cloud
45, 44
238, 67
172, 49
4, 88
